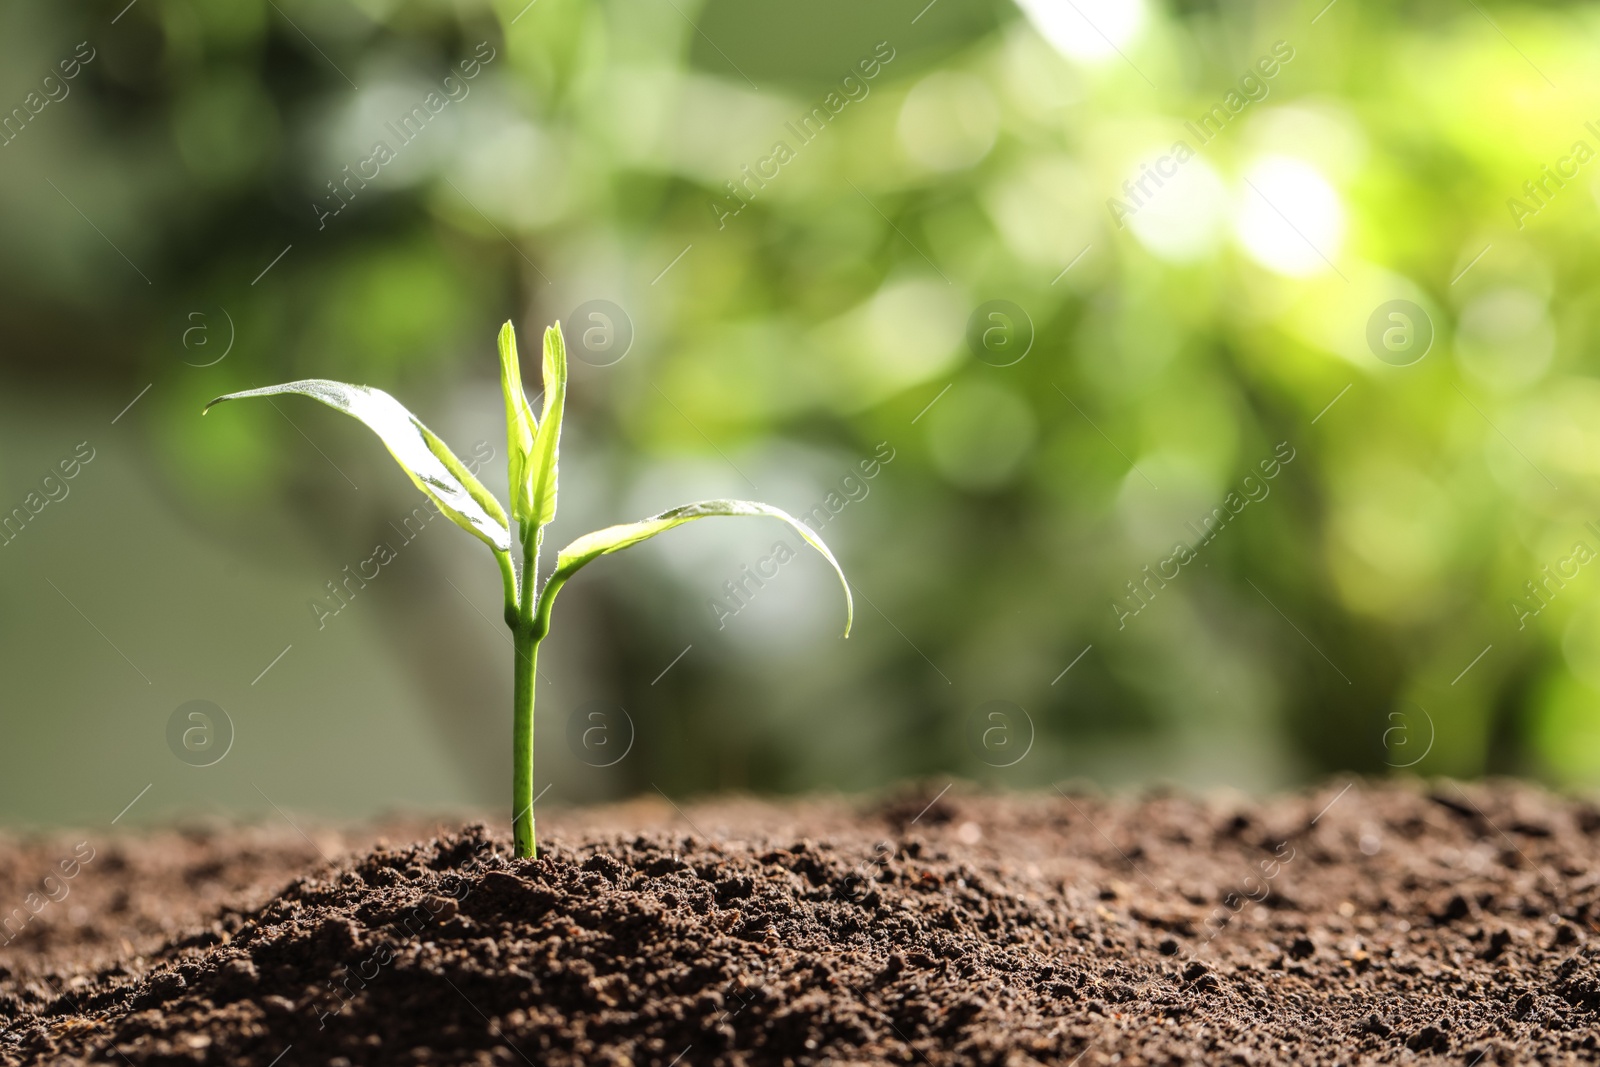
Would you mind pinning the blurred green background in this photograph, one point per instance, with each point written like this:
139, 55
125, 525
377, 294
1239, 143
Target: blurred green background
201, 207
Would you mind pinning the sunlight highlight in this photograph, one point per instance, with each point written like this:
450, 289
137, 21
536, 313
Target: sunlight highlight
1086, 29
1289, 218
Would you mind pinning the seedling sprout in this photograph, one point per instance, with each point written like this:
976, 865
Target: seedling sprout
532, 446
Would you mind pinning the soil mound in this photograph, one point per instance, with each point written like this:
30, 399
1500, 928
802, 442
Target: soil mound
1371, 925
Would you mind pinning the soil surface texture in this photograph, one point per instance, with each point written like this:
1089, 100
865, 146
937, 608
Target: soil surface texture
1360, 923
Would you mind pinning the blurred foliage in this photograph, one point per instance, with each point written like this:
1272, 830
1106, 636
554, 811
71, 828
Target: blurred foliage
1329, 625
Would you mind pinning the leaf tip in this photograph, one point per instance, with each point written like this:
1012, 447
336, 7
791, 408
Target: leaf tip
555, 367
554, 340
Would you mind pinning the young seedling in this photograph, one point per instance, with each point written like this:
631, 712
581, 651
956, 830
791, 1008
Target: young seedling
532, 445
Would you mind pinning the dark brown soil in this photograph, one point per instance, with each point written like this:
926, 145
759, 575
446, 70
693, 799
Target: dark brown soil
1450, 925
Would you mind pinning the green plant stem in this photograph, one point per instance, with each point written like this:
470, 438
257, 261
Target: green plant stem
526, 667
525, 638
508, 582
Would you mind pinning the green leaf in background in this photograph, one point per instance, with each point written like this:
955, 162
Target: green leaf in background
547, 439
428, 460
592, 546
520, 425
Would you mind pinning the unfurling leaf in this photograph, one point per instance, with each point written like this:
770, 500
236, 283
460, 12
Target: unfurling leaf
592, 546
520, 425
547, 440
420, 453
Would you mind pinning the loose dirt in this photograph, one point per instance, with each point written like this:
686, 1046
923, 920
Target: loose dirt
1434, 923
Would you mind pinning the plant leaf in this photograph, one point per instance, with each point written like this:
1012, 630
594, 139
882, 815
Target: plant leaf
547, 441
592, 546
426, 459
520, 424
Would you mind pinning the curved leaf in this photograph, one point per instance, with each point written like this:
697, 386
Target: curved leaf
546, 442
592, 546
426, 459
520, 424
